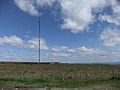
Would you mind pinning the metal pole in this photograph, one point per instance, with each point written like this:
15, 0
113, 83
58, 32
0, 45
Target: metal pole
39, 39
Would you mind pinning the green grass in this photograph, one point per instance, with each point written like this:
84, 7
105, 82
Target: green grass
74, 75
60, 84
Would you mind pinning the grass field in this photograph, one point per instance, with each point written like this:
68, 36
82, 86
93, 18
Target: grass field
59, 75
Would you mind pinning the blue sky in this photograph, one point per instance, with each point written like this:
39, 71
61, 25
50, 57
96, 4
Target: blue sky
76, 31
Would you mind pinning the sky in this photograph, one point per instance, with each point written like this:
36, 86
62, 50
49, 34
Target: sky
72, 31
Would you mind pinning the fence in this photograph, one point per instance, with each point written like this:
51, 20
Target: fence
77, 76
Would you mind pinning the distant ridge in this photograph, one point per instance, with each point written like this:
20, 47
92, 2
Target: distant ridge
110, 63
113, 63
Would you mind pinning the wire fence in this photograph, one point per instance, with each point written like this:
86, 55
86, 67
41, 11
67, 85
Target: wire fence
77, 76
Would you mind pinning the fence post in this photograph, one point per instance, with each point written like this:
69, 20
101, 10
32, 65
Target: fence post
22, 74
63, 77
86, 76
113, 75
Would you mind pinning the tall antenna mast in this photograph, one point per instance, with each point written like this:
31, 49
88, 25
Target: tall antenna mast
39, 40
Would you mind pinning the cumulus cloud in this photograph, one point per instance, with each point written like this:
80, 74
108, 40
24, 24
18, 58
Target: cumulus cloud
83, 54
17, 41
34, 44
59, 48
79, 50
115, 16
45, 2
14, 55
57, 53
88, 51
60, 55
78, 15
32, 6
27, 6
110, 37
12, 40
111, 19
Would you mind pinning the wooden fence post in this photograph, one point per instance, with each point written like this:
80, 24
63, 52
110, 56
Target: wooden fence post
63, 77
22, 74
113, 75
86, 76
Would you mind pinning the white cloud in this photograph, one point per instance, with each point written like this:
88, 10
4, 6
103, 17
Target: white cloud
12, 40
27, 6
14, 55
78, 15
111, 19
45, 2
32, 6
110, 37
80, 50
60, 48
88, 51
60, 55
18, 42
84, 55
115, 16
34, 44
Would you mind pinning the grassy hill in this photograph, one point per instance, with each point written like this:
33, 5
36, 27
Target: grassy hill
59, 75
